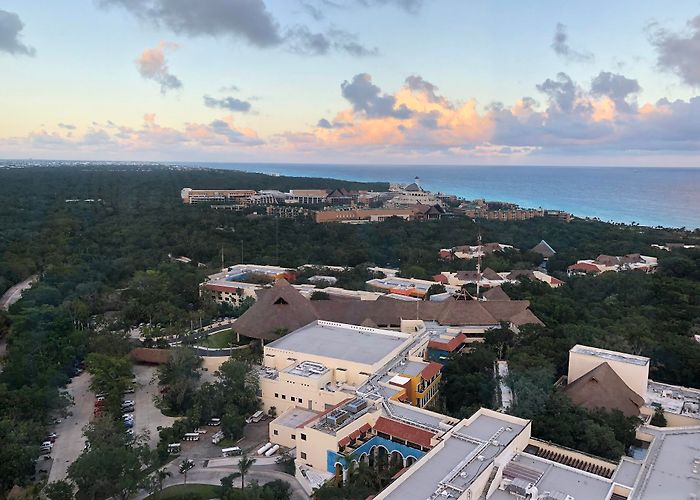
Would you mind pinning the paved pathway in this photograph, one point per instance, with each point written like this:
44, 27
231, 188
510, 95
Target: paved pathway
15, 292
205, 475
506, 393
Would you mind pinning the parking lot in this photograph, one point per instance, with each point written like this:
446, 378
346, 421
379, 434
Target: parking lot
70, 441
147, 418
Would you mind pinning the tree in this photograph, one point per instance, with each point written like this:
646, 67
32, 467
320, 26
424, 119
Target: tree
658, 419
180, 373
59, 490
435, 290
113, 466
159, 477
244, 465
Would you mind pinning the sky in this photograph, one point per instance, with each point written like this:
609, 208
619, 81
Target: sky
485, 82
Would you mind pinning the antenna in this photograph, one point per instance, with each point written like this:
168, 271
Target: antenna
222, 257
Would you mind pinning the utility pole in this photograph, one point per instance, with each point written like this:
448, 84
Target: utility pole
478, 265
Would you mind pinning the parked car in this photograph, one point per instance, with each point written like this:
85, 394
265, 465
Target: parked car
128, 402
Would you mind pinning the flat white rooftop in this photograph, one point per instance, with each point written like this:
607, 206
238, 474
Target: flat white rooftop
341, 341
450, 468
294, 417
610, 355
672, 469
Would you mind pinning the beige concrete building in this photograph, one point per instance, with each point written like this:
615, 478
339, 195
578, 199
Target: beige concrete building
323, 363
633, 370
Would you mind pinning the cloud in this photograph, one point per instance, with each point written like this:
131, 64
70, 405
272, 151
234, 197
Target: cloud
10, 27
303, 41
66, 126
246, 19
152, 66
615, 86
412, 6
249, 20
366, 97
222, 137
679, 52
230, 103
561, 91
560, 45
312, 10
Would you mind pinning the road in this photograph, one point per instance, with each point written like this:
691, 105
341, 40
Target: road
15, 292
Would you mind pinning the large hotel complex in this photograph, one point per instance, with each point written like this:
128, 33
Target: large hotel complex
351, 379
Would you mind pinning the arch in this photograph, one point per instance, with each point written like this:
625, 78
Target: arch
364, 458
395, 458
339, 473
410, 460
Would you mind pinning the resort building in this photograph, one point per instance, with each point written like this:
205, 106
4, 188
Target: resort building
605, 263
468, 252
318, 365
234, 196
283, 308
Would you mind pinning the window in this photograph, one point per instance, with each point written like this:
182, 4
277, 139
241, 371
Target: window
303, 437
294, 436
277, 395
299, 400
291, 397
303, 455
284, 397
275, 432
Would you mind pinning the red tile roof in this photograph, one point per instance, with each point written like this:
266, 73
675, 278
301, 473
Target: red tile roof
403, 431
584, 266
450, 346
440, 278
354, 435
431, 370
220, 288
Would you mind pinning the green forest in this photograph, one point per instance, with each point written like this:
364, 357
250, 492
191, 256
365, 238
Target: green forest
104, 266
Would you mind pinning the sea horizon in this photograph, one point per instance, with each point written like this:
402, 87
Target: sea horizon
649, 196
645, 195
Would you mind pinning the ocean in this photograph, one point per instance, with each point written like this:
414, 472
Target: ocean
668, 197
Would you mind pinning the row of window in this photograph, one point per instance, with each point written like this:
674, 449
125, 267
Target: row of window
291, 398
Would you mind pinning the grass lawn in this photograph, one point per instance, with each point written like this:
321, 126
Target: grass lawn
189, 492
219, 340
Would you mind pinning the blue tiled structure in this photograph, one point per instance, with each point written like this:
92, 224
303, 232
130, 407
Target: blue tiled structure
333, 457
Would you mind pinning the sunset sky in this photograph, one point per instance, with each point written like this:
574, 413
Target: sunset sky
352, 81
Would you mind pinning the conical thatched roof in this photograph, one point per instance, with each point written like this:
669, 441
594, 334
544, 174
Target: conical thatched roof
602, 387
543, 249
496, 293
280, 307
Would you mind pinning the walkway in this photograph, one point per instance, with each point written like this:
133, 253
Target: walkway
204, 475
506, 393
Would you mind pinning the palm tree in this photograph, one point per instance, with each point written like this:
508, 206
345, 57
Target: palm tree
244, 465
161, 475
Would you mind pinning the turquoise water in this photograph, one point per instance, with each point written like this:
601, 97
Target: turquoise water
648, 196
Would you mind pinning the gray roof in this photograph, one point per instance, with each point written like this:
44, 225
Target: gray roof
559, 478
668, 472
295, 416
454, 462
610, 355
339, 341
